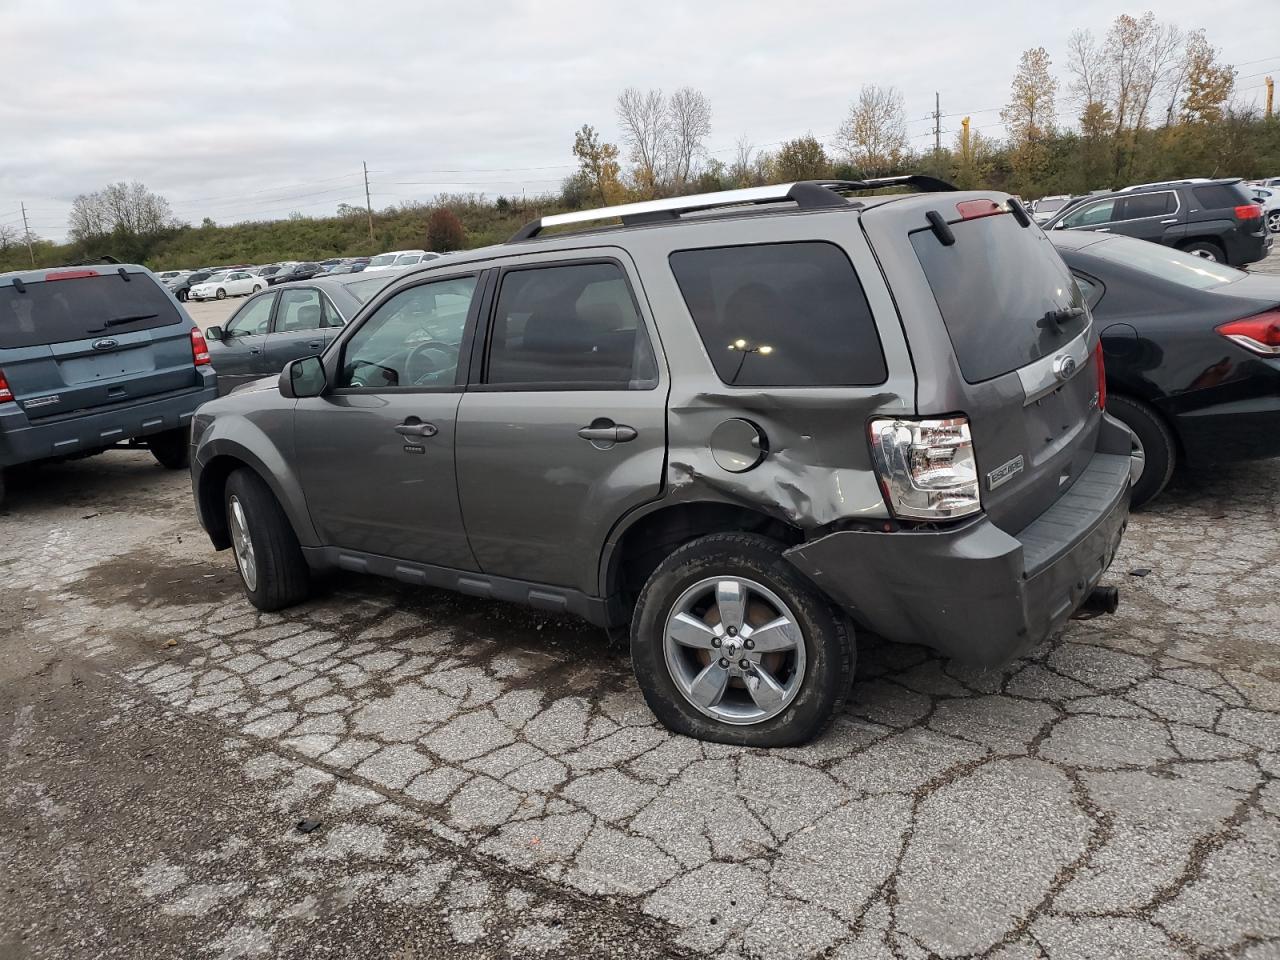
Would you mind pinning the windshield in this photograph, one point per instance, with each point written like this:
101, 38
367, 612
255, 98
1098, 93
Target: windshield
383, 260
1049, 206
364, 290
1199, 273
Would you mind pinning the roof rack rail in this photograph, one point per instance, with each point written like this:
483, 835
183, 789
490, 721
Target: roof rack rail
806, 194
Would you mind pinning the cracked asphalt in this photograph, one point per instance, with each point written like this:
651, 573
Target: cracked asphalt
488, 782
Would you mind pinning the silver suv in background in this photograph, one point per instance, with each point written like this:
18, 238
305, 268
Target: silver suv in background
738, 427
96, 357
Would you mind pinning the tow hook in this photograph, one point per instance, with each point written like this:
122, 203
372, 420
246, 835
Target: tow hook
1099, 602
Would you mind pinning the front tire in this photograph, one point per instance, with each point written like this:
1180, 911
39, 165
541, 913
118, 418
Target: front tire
172, 449
183, 296
221, 294
272, 570
1155, 443
731, 644
256, 288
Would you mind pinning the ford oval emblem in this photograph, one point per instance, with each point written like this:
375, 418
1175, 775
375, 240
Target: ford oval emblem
1064, 367
106, 344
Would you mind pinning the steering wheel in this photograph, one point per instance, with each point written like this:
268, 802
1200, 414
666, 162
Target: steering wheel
417, 356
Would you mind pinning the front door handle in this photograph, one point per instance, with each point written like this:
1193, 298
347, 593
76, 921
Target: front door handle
316, 344
606, 431
416, 429
1173, 220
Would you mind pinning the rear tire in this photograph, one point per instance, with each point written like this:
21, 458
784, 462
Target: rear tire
272, 570
183, 296
1155, 440
172, 449
1207, 249
1273, 221
804, 671
256, 288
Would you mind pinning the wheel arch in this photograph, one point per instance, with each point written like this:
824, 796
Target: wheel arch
643, 539
218, 459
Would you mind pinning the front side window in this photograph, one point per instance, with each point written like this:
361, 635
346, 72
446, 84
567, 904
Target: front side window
253, 317
574, 326
1090, 214
781, 315
412, 340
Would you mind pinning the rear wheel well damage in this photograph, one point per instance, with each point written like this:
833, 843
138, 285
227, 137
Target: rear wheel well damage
650, 539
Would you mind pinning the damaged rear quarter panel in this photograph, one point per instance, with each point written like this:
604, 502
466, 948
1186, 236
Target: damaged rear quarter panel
818, 469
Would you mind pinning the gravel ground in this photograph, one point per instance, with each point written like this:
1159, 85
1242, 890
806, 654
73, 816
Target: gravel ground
485, 781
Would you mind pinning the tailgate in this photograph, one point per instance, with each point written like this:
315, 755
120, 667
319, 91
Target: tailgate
1024, 347
91, 341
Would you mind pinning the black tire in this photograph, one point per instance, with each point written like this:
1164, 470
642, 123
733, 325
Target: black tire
172, 449
221, 294
183, 296
1159, 447
1, 488
282, 576
1206, 248
827, 634
256, 288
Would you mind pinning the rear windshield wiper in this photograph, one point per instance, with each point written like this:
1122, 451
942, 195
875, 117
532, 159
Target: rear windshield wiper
116, 321
1056, 318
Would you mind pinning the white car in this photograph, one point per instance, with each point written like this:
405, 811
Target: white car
1269, 199
1046, 207
229, 283
397, 259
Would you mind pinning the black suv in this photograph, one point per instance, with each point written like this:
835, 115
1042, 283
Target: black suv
1216, 219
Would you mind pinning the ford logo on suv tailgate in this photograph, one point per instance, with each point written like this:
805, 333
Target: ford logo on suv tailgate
107, 344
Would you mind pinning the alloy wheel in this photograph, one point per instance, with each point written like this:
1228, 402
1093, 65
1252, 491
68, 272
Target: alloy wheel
242, 544
1273, 221
734, 650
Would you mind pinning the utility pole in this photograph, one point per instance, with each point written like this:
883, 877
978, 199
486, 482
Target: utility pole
368, 205
964, 139
1271, 93
937, 123
26, 235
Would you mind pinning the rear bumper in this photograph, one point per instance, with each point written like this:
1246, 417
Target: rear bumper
974, 592
24, 442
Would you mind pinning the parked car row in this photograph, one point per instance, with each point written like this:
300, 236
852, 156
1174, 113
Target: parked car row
218, 282
737, 437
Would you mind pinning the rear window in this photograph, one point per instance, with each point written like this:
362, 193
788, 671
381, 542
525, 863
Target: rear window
57, 311
1199, 273
781, 315
1216, 196
1003, 291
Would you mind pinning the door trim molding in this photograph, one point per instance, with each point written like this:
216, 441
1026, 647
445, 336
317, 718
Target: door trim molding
595, 610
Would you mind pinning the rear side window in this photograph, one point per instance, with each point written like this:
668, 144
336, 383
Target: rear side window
1216, 196
1005, 295
58, 311
574, 326
1149, 205
781, 315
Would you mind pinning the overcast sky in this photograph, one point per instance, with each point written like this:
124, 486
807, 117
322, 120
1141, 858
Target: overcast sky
253, 110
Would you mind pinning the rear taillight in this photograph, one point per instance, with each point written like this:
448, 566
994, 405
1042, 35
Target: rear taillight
5, 393
926, 467
1248, 211
1259, 334
199, 348
1100, 362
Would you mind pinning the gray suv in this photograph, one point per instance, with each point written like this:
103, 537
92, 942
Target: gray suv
737, 426
95, 357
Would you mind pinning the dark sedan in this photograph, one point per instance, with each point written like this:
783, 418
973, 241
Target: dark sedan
285, 323
299, 271
181, 288
1192, 352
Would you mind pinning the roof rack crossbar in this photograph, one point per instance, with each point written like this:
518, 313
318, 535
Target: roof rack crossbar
806, 194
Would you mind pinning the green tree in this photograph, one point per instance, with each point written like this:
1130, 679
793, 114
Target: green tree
802, 159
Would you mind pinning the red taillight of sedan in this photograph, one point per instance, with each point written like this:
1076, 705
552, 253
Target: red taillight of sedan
1258, 334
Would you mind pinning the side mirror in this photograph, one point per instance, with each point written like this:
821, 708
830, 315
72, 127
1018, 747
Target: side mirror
1059, 226
302, 378
213, 333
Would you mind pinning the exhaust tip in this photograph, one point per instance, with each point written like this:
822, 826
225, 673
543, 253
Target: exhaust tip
1101, 601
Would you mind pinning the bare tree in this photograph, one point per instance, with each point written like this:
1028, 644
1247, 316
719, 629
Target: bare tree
688, 125
643, 119
1087, 64
1142, 57
741, 170
9, 237
874, 135
125, 209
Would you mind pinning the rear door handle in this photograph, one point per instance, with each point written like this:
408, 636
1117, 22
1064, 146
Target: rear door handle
416, 429
1173, 220
606, 431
